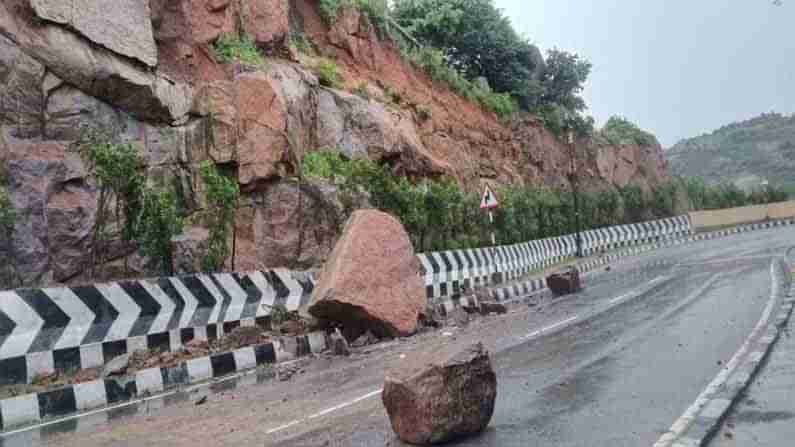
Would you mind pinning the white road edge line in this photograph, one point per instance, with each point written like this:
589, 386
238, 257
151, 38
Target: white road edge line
325, 412
549, 328
689, 415
346, 404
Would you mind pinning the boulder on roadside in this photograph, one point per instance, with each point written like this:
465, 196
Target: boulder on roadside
564, 282
365, 340
371, 279
487, 308
441, 394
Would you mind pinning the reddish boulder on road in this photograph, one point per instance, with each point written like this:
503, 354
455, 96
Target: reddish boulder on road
371, 280
441, 394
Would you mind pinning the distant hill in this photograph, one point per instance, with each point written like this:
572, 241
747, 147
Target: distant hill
745, 153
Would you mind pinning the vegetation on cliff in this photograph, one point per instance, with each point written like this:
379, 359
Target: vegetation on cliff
439, 215
477, 40
746, 153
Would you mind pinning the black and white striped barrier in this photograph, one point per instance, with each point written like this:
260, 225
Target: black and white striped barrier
67, 400
448, 296
447, 273
57, 329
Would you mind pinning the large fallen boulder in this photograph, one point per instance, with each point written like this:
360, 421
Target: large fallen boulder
564, 282
370, 281
441, 394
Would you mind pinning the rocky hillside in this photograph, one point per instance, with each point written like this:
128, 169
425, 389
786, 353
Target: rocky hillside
745, 153
146, 71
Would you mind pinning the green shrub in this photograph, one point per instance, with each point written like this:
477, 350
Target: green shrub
222, 195
432, 61
328, 10
501, 104
237, 47
619, 130
160, 222
9, 277
327, 73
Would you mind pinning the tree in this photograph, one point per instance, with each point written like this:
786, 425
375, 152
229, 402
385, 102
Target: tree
634, 203
564, 80
664, 200
696, 190
619, 130
477, 39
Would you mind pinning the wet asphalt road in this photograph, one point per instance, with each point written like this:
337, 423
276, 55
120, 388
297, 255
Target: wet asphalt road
645, 343
765, 417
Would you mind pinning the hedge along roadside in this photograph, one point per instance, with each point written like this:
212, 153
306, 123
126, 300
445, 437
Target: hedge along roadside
439, 215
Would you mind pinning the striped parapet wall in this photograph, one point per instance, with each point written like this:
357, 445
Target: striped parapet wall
448, 273
59, 329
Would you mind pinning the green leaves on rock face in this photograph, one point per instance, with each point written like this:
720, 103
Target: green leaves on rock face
237, 47
8, 219
147, 215
160, 221
327, 73
222, 194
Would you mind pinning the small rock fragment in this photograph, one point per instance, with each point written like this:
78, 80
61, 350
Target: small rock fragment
339, 346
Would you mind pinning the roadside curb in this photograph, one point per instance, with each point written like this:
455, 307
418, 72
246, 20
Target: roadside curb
520, 292
20, 411
698, 430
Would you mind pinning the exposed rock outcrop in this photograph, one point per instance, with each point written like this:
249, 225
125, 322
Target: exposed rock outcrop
441, 394
110, 76
370, 281
147, 72
122, 26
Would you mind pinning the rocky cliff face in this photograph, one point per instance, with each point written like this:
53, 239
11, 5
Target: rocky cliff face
145, 70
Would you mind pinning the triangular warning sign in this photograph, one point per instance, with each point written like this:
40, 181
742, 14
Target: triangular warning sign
488, 200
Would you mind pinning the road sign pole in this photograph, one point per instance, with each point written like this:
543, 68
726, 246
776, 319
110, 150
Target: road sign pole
488, 201
493, 236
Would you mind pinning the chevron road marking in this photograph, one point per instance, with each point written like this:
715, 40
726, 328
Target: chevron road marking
28, 324
191, 303
207, 282
296, 290
268, 293
167, 307
128, 310
238, 295
80, 316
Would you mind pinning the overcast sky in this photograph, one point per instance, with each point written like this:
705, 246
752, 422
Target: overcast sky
678, 68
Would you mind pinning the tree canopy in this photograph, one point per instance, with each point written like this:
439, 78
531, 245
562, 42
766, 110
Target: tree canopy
477, 39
